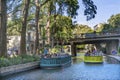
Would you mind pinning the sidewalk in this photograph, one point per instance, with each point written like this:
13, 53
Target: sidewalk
115, 56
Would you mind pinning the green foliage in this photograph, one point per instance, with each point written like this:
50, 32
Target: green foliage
72, 7
63, 7
104, 28
4, 62
107, 28
62, 29
90, 9
14, 27
113, 25
80, 46
41, 50
114, 21
82, 29
54, 50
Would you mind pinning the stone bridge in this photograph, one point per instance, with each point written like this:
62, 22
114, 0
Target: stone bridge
110, 40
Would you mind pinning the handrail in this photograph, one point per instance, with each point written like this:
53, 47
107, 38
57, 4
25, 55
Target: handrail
97, 34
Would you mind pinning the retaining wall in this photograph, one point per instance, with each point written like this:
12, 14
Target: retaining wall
113, 59
18, 68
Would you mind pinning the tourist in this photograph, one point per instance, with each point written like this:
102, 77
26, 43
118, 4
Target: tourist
45, 51
9, 52
87, 53
114, 52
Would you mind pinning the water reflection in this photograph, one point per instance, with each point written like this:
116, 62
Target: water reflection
77, 71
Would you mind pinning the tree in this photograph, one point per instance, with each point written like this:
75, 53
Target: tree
104, 27
56, 7
62, 28
64, 6
38, 5
14, 14
69, 7
37, 25
24, 24
114, 21
90, 9
79, 29
3, 26
13, 27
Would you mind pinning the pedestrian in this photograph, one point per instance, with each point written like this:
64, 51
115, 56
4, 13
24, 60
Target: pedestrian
9, 52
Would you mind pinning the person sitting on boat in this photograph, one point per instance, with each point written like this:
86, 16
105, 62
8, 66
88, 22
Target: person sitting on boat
100, 53
45, 51
87, 53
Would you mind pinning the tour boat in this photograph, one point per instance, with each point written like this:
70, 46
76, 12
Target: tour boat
93, 59
52, 62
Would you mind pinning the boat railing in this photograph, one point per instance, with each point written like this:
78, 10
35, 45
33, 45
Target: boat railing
54, 61
94, 58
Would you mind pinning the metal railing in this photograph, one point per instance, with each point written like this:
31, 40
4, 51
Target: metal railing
97, 34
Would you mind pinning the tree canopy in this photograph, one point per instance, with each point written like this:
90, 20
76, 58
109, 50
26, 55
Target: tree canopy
21, 13
79, 29
114, 21
113, 24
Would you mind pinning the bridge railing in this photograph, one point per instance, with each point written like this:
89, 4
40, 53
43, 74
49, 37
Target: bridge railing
98, 34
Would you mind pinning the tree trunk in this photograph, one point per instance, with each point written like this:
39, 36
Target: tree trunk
48, 26
0, 27
48, 29
24, 24
37, 26
3, 26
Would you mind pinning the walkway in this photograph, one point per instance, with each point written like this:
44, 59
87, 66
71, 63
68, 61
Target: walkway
117, 57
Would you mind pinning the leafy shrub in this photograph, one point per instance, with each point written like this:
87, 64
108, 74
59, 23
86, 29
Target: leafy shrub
54, 50
4, 62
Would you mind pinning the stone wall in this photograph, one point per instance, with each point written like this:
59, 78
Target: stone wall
18, 68
113, 59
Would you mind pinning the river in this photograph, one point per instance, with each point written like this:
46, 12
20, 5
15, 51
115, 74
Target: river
77, 71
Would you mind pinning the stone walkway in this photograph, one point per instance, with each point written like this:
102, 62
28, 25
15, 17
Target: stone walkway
117, 57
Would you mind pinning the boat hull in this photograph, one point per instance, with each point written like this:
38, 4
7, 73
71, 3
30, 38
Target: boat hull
93, 59
55, 62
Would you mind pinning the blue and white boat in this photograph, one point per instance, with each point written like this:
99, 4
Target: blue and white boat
52, 62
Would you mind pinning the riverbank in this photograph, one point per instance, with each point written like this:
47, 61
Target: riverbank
77, 71
18, 68
114, 58
32, 65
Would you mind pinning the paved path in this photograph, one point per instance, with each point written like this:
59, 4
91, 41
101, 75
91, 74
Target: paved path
115, 56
